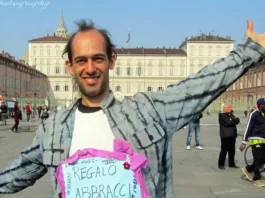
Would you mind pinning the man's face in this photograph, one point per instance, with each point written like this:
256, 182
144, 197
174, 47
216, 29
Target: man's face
90, 65
262, 108
227, 108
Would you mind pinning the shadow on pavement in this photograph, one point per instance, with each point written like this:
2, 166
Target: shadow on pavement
21, 129
27, 129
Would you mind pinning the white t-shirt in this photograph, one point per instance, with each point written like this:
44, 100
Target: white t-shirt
91, 130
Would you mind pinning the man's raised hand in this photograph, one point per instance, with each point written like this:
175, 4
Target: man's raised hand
259, 38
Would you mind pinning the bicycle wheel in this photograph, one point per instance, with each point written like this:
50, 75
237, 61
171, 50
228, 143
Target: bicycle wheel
248, 156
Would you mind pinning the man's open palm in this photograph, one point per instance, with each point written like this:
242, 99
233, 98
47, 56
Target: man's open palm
259, 38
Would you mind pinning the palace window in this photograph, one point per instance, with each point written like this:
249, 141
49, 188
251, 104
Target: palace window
66, 88
218, 50
171, 70
129, 71
160, 88
139, 71
149, 88
200, 50
182, 70
118, 88
139, 63
65, 70
118, 71
57, 70
192, 69
57, 88
139, 87
160, 70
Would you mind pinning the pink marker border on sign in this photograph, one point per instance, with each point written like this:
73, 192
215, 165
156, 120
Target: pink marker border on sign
122, 148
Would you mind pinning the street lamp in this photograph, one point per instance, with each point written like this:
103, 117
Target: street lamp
35, 98
48, 98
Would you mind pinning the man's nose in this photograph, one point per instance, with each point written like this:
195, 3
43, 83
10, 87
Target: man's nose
90, 67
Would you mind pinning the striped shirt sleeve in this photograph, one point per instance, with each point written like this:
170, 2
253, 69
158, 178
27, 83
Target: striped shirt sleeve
24, 171
249, 127
178, 103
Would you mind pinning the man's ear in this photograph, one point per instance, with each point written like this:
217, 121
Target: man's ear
113, 62
69, 67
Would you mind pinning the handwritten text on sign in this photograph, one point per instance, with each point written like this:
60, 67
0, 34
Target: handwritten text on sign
99, 178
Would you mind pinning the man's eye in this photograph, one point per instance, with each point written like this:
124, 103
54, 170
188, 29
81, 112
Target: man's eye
80, 61
99, 59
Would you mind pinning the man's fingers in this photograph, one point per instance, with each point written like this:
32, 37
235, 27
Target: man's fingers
250, 26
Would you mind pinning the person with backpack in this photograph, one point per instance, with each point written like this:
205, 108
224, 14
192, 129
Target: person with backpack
17, 115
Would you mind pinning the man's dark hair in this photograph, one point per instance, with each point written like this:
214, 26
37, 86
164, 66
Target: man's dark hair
84, 26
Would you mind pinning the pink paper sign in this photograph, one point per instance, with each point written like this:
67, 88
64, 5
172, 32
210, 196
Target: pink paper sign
93, 173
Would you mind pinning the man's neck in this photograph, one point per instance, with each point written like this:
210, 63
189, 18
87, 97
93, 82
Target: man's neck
94, 102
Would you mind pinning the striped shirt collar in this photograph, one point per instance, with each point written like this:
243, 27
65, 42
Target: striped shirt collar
106, 103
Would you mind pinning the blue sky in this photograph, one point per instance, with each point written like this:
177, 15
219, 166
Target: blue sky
153, 23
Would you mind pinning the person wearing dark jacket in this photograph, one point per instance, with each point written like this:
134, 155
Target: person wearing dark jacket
194, 126
255, 136
228, 134
17, 115
3, 110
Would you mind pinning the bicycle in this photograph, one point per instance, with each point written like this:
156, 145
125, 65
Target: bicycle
248, 157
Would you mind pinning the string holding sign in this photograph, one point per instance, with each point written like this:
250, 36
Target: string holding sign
102, 174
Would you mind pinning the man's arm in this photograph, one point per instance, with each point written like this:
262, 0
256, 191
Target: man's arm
178, 103
25, 170
236, 120
225, 120
228, 121
250, 125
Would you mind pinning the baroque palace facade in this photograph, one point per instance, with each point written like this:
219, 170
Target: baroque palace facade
244, 93
20, 82
137, 69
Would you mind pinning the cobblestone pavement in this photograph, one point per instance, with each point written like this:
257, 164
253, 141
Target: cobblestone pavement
195, 172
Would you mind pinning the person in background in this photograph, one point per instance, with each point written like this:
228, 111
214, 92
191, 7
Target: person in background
59, 108
45, 113
3, 110
39, 109
246, 113
194, 126
17, 115
28, 111
255, 107
228, 135
255, 135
